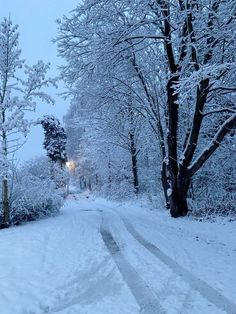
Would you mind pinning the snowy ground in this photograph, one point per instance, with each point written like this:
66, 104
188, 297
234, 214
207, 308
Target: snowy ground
99, 257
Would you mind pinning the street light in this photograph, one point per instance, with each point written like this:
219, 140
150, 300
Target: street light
70, 166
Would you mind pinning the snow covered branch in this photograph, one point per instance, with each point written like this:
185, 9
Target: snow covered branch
220, 110
226, 127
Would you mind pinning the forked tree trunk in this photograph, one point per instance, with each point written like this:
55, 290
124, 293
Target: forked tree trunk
182, 172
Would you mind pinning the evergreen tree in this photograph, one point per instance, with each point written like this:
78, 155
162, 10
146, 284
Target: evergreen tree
55, 139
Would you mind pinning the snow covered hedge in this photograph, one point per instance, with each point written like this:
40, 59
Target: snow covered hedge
34, 193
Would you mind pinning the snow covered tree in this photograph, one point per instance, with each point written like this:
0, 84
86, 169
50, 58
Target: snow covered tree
197, 52
16, 98
55, 139
183, 78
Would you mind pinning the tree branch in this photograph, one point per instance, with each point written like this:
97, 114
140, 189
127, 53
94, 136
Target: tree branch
219, 110
226, 127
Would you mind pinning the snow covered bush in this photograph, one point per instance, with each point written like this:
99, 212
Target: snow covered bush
34, 193
215, 186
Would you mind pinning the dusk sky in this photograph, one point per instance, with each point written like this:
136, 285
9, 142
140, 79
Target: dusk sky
37, 27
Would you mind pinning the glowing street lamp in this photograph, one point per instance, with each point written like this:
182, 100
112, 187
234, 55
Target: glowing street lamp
70, 164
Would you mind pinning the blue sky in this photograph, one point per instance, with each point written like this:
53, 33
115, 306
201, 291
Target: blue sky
37, 27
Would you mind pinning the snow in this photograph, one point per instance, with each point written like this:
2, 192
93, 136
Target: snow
105, 257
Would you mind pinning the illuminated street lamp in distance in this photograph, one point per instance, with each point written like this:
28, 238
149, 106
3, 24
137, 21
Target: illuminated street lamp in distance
70, 164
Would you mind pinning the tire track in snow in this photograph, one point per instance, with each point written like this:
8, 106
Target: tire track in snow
202, 287
144, 296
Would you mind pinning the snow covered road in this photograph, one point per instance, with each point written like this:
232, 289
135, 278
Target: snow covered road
98, 257
144, 296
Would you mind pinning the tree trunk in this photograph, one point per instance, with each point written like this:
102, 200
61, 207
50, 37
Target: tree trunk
89, 184
178, 196
135, 173
109, 175
5, 203
5, 200
133, 152
165, 184
178, 204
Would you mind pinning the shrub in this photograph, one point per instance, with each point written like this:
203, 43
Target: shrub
34, 192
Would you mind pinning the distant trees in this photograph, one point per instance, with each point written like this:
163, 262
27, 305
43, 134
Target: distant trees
17, 94
172, 62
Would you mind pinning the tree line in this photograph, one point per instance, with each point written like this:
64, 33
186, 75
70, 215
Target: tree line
152, 82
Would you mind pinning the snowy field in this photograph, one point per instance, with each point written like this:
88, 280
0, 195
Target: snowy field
99, 257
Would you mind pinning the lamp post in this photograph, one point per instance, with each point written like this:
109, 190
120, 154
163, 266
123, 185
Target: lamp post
70, 166
68, 178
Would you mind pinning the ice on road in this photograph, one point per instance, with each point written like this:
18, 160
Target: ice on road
99, 257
